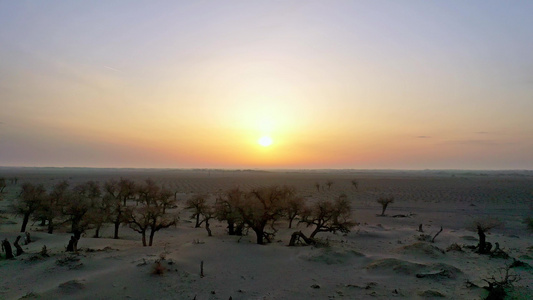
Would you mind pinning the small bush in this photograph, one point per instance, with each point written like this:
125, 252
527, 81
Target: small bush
158, 268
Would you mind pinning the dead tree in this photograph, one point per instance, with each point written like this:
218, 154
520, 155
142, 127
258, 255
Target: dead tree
435, 236
116, 194
263, 206
197, 203
355, 184
329, 216
297, 236
6, 247
72, 244
17, 246
384, 201
207, 214
329, 183
226, 210
31, 197
294, 206
482, 226
50, 208
150, 214
498, 287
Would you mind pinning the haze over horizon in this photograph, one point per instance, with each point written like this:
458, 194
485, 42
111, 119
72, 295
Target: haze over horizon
267, 85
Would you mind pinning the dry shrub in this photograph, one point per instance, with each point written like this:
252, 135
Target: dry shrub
158, 268
454, 247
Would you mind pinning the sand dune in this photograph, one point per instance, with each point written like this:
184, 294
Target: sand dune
380, 258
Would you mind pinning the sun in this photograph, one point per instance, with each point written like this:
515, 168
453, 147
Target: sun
265, 141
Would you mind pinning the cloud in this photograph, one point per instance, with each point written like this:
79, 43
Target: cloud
473, 142
482, 132
423, 137
113, 69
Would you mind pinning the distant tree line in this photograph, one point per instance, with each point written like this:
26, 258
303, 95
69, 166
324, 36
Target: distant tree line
141, 206
145, 208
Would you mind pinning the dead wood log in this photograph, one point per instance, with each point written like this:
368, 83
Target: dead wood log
298, 236
434, 237
19, 248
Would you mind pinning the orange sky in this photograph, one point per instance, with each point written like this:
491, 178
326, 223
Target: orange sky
335, 84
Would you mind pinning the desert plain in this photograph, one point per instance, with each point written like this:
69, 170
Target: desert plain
381, 257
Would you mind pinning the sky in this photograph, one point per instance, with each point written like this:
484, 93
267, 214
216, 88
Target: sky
333, 84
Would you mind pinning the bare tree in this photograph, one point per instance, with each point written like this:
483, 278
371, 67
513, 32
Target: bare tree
294, 206
50, 208
82, 200
329, 216
149, 215
29, 201
116, 194
197, 203
355, 184
208, 213
317, 186
384, 201
329, 183
482, 226
226, 209
263, 206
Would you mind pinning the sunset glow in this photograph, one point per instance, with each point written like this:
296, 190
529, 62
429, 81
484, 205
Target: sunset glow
317, 84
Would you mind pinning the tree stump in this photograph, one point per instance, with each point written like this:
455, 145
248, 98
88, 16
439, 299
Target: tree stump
19, 248
6, 247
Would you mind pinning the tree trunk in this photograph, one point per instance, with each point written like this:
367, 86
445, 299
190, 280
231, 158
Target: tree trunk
231, 228
290, 221
152, 233
260, 236
197, 221
383, 210
117, 225
25, 222
19, 248
299, 234
144, 237
482, 240
207, 227
6, 246
50, 226
97, 232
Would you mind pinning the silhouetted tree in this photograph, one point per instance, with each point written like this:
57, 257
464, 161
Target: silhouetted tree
198, 204
50, 208
116, 194
17, 246
226, 210
482, 226
263, 206
384, 201
149, 215
329, 183
317, 186
6, 247
83, 198
329, 216
31, 197
355, 184
294, 206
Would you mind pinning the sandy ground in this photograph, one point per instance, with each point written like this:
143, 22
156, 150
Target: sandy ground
378, 259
